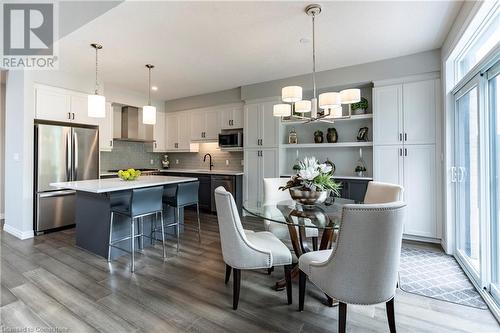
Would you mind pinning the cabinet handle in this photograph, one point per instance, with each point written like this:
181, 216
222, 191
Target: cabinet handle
111, 143
406, 137
406, 152
400, 151
73, 116
229, 122
400, 136
69, 115
155, 145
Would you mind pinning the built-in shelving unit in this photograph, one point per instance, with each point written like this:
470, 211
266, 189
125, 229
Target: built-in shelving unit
328, 145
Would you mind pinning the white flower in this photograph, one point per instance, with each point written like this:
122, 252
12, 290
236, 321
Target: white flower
309, 173
325, 168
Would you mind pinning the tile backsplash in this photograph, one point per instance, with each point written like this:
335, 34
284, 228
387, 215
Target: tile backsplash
195, 160
127, 154
136, 155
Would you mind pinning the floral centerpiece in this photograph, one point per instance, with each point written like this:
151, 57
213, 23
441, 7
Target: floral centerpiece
313, 182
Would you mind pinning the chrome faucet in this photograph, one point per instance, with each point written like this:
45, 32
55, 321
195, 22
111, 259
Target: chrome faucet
205, 157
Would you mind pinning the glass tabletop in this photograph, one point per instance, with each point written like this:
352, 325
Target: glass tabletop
320, 216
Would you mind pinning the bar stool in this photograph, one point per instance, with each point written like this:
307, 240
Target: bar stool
143, 202
183, 195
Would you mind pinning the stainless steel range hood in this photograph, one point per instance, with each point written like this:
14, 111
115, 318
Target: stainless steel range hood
132, 129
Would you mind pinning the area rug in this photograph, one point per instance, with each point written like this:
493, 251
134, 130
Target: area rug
436, 275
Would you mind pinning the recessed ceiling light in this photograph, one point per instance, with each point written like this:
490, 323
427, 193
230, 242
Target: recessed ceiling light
154, 88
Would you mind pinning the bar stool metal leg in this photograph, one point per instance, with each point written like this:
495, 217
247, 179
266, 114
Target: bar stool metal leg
177, 226
199, 225
110, 234
132, 245
153, 229
163, 236
140, 231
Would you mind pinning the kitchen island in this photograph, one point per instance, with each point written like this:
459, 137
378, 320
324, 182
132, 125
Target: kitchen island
94, 199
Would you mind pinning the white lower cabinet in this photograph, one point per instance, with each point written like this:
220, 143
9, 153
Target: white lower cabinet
259, 164
414, 168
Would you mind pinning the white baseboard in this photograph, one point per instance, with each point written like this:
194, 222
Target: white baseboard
422, 239
18, 233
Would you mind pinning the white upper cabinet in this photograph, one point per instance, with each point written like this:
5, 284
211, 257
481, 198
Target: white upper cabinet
171, 125
387, 115
419, 108
231, 118
261, 127
405, 113
159, 137
52, 104
59, 104
205, 124
106, 130
178, 134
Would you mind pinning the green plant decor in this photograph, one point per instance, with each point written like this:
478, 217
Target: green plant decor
362, 104
314, 176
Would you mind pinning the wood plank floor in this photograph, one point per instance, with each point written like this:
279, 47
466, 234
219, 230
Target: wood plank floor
47, 282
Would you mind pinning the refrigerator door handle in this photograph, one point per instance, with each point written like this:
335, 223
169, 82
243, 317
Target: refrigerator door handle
56, 193
75, 155
68, 157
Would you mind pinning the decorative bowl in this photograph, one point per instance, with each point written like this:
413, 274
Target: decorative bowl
308, 197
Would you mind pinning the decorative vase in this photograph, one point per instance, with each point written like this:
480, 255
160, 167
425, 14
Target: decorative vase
318, 137
332, 136
362, 134
359, 111
292, 137
305, 197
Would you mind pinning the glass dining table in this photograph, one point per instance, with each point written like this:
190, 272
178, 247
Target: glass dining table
325, 217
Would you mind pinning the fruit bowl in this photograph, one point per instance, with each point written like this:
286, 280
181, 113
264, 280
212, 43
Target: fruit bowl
129, 174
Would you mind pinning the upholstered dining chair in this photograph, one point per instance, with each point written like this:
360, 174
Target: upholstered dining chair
273, 195
361, 269
243, 250
378, 192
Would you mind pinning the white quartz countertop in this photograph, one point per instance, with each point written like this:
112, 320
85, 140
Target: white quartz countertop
204, 171
116, 184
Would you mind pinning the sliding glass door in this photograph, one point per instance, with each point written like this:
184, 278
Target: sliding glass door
466, 174
494, 110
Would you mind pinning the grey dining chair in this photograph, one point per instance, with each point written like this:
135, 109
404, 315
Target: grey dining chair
378, 192
243, 250
142, 202
361, 269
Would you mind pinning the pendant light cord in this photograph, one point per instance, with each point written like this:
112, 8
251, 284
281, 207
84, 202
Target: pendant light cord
149, 87
314, 56
96, 64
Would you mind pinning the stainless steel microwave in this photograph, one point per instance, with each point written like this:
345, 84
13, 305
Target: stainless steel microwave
231, 139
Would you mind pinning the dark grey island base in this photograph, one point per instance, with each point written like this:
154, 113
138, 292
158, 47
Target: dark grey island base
94, 199
93, 212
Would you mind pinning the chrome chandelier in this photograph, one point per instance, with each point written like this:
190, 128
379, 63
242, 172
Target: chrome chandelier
330, 103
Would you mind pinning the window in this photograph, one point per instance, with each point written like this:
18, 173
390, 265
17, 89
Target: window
486, 38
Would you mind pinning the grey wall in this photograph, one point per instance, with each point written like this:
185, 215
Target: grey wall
199, 101
419, 63
2, 147
195, 160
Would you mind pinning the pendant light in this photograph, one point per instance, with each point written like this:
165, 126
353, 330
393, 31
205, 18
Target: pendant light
96, 106
149, 111
329, 102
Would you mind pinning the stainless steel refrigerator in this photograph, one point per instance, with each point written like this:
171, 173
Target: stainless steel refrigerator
62, 153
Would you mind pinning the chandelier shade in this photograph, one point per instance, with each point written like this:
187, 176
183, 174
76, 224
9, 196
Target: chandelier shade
329, 100
334, 112
303, 106
349, 96
291, 94
282, 110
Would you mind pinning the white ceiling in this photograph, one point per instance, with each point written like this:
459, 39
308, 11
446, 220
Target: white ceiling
201, 47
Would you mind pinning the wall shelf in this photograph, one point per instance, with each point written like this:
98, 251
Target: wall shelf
327, 145
352, 118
